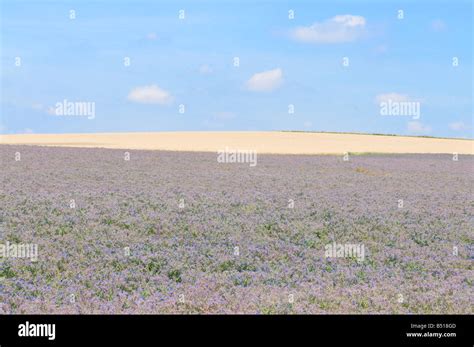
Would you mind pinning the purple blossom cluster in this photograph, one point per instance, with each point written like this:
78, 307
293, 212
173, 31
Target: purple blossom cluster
177, 232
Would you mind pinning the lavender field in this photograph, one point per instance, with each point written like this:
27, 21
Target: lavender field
178, 232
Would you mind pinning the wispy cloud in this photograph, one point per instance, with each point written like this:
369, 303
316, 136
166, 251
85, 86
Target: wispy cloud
418, 128
150, 95
394, 97
265, 81
458, 126
338, 29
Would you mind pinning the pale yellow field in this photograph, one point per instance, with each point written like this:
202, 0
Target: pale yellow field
262, 142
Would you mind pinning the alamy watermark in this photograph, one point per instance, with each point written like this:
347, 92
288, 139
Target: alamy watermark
345, 250
400, 108
74, 108
21, 250
37, 330
228, 155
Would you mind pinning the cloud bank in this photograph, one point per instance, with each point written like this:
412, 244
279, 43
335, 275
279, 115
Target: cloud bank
265, 81
418, 128
338, 29
394, 97
150, 95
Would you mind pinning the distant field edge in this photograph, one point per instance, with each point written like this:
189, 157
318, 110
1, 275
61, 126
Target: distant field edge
271, 142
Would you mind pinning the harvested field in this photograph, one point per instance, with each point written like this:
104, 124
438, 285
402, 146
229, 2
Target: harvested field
269, 142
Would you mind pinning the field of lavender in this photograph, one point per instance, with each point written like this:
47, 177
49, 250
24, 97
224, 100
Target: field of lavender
178, 232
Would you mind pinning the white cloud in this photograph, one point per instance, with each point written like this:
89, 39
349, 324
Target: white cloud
205, 69
338, 29
265, 81
150, 95
458, 126
26, 131
394, 97
418, 128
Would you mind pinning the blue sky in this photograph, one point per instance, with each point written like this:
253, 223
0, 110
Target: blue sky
283, 62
